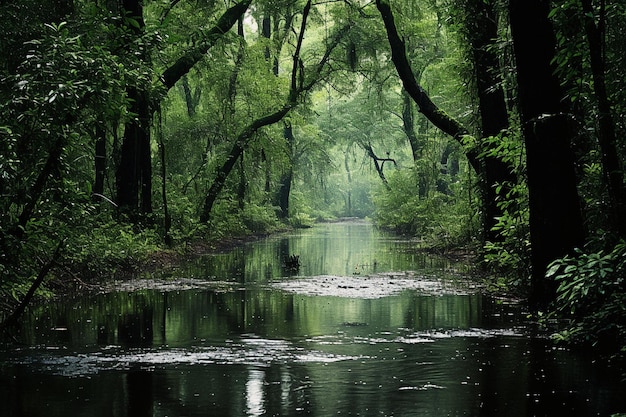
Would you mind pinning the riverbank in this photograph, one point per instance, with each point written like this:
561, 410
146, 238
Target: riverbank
71, 283
74, 276
368, 316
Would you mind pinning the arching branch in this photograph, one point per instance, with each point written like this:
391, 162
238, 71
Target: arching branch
430, 110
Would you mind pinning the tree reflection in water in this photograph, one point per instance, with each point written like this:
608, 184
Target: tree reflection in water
230, 335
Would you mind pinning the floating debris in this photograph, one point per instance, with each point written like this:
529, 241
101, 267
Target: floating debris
375, 286
292, 262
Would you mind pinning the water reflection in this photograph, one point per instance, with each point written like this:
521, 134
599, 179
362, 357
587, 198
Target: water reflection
244, 339
255, 392
342, 249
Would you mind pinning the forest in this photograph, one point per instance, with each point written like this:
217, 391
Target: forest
129, 127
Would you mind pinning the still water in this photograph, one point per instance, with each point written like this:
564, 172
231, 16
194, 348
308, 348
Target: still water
366, 327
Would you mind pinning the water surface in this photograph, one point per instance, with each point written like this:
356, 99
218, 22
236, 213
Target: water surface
367, 326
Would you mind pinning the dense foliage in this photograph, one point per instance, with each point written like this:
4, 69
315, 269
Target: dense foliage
127, 126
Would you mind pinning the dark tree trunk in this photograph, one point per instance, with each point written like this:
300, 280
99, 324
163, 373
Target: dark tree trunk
13, 318
287, 176
219, 181
267, 188
234, 154
607, 138
36, 191
284, 192
556, 226
192, 98
100, 161
482, 31
241, 191
266, 32
408, 124
379, 163
167, 219
134, 174
184, 64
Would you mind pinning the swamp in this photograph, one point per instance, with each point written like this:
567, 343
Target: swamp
312, 207
367, 326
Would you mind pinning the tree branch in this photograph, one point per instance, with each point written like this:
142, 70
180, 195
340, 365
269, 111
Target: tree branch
438, 117
184, 64
169, 8
43, 272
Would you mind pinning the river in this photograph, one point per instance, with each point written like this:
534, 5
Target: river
367, 326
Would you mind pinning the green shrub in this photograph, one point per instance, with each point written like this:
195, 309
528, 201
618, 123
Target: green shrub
511, 253
592, 295
259, 218
301, 220
443, 220
108, 249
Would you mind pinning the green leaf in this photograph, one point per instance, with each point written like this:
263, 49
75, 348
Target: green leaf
552, 269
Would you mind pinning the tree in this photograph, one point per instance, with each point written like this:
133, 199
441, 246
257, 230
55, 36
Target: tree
275, 36
134, 174
556, 225
480, 27
300, 84
438, 117
607, 138
49, 105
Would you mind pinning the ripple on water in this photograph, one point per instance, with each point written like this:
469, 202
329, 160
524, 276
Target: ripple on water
246, 351
424, 387
407, 336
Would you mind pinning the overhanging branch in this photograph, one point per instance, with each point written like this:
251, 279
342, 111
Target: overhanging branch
438, 117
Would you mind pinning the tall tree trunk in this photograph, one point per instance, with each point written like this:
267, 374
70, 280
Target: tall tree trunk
271, 33
100, 161
134, 173
408, 125
241, 191
556, 225
167, 219
192, 98
267, 187
607, 138
286, 177
482, 31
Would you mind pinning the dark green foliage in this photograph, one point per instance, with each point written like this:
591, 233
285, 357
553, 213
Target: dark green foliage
51, 104
509, 254
592, 295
